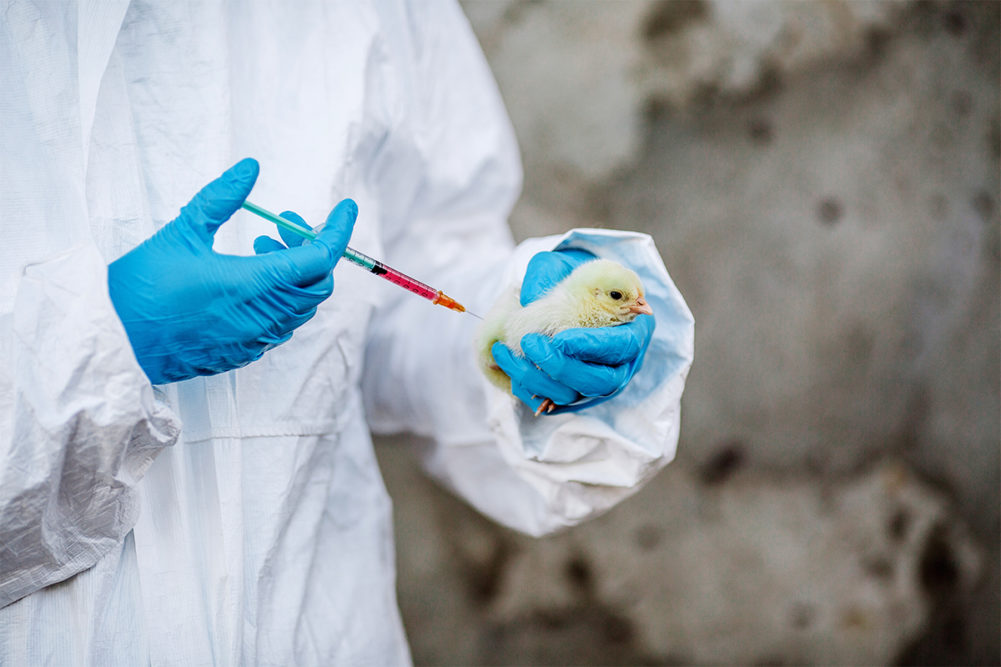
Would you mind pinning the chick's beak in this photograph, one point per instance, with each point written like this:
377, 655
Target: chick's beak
641, 306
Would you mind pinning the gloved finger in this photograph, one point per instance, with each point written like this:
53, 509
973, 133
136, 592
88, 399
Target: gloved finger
533, 401
301, 299
277, 318
286, 325
234, 355
337, 229
607, 345
270, 341
547, 269
526, 375
291, 238
265, 244
586, 378
249, 353
220, 199
310, 262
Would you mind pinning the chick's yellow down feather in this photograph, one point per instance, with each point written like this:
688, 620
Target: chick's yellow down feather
598, 293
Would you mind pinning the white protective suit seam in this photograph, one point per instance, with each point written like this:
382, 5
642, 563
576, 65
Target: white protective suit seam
314, 430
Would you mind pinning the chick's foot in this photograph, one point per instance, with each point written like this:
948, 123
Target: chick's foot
546, 406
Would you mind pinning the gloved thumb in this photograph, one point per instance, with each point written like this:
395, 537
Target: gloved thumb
219, 200
336, 231
306, 264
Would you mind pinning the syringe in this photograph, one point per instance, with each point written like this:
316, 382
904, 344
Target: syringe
371, 265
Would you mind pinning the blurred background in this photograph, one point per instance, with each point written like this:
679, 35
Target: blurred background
822, 181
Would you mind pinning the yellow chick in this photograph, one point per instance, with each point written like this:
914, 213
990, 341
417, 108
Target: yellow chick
598, 293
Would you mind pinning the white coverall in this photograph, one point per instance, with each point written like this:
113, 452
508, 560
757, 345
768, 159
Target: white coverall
241, 518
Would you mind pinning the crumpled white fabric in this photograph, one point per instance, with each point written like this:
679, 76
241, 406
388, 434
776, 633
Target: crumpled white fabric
80, 414
241, 518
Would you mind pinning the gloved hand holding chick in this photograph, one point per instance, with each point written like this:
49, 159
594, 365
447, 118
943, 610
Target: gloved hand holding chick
577, 328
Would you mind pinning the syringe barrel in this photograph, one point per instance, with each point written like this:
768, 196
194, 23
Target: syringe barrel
392, 275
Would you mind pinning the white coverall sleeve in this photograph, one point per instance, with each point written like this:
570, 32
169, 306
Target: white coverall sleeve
79, 424
532, 474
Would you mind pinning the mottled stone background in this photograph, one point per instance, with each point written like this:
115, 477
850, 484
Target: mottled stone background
822, 180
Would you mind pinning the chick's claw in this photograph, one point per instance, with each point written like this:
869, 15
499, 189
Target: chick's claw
546, 406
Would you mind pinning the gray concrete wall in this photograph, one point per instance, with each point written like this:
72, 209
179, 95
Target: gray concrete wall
821, 179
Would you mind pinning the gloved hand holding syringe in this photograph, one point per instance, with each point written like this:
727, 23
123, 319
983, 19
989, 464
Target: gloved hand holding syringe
189, 310
371, 265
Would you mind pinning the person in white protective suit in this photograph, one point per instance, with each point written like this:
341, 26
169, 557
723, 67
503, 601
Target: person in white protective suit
180, 487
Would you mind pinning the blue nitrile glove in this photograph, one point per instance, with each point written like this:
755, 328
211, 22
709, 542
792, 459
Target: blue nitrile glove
582, 367
191, 311
266, 244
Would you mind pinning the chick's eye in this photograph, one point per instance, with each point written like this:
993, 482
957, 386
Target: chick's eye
615, 294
